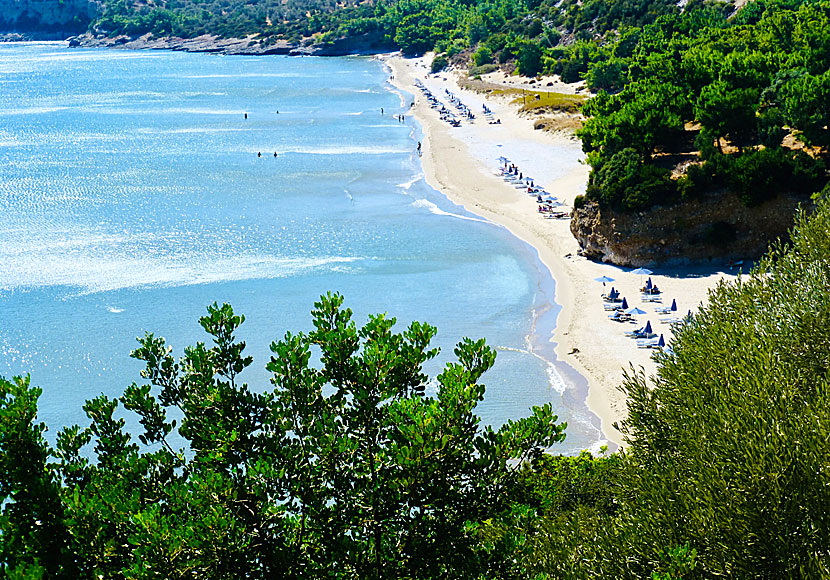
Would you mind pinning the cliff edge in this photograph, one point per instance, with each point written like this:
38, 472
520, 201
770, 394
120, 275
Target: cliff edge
714, 227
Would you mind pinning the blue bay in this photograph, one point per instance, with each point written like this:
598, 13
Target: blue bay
132, 196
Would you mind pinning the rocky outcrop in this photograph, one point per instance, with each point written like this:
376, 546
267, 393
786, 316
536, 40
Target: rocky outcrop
717, 226
46, 18
248, 46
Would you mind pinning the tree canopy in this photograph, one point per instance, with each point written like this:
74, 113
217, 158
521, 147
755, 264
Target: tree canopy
359, 467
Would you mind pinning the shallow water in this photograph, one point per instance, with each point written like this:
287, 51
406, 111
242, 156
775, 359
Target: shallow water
132, 196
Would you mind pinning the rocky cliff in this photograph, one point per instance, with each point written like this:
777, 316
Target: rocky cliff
716, 226
46, 18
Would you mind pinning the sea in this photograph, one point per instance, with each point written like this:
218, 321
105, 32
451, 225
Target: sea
138, 187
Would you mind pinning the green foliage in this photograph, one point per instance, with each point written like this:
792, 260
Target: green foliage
529, 60
678, 561
625, 182
608, 75
33, 541
734, 88
726, 442
439, 63
346, 469
759, 174
482, 56
725, 473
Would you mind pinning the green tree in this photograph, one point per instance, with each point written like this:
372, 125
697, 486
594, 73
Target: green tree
482, 56
347, 470
529, 60
728, 113
806, 104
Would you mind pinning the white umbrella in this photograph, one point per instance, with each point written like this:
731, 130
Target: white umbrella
642, 272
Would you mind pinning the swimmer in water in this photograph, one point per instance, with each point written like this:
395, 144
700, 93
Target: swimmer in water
259, 154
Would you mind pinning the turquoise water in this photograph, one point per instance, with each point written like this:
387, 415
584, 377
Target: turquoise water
132, 196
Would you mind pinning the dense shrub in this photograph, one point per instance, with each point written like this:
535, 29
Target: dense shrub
482, 56
760, 174
727, 442
438, 63
625, 182
529, 60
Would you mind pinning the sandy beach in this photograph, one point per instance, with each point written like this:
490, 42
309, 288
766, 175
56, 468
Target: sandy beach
462, 162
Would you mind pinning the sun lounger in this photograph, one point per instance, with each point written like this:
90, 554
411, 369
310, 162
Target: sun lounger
651, 298
633, 333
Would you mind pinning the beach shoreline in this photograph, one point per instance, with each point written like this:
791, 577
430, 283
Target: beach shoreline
461, 163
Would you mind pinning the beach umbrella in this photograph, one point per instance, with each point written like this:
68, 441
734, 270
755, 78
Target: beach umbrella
624, 304
661, 343
641, 272
603, 279
503, 159
647, 329
635, 311
673, 305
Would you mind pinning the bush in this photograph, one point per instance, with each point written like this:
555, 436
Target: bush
483, 70
439, 63
482, 56
626, 182
342, 463
696, 180
727, 441
456, 46
760, 174
529, 60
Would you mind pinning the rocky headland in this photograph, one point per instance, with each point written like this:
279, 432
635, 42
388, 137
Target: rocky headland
716, 226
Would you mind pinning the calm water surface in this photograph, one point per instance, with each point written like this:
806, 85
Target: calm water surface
132, 196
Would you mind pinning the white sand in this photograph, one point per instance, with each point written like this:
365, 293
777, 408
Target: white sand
462, 163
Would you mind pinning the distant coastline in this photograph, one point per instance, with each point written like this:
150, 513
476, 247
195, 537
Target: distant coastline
250, 46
